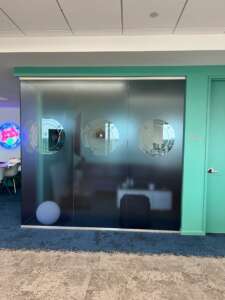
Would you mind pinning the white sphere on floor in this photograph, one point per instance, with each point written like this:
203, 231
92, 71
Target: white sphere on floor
48, 212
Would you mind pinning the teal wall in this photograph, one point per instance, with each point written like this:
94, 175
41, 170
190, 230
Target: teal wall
195, 134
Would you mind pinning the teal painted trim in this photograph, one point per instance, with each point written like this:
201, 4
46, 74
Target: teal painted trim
210, 81
193, 215
197, 233
193, 194
95, 71
88, 71
206, 148
116, 71
206, 153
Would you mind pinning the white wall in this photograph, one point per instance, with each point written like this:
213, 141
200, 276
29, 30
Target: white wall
9, 114
113, 43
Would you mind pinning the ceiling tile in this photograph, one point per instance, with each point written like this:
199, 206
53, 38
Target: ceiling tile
93, 17
7, 28
138, 20
36, 17
203, 16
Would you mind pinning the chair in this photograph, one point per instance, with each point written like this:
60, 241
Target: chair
135, 212
2, 172
9, 175
14, 161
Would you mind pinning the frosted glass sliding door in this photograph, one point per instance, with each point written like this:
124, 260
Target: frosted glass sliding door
155, 147
102, 153
74, 149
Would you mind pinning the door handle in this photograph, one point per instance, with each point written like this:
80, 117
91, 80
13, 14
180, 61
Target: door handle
212, 170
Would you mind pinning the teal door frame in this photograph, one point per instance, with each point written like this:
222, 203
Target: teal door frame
198, 81
210, 81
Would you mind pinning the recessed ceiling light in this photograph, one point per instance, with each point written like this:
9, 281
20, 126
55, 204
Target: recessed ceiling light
3, 99
154, 14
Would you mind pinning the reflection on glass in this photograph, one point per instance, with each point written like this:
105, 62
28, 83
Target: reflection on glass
32, 136
52, 136
101, 136
157, 138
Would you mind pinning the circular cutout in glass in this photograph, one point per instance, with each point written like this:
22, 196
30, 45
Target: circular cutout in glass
52, 136
157, 137
31, 136
101, 136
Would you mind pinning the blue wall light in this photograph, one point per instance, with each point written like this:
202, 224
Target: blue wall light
9, 135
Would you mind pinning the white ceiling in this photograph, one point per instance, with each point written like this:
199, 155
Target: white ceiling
110, 17
203, 16
92, 17
137, 16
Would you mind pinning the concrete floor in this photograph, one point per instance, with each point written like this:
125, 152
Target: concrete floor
51, 264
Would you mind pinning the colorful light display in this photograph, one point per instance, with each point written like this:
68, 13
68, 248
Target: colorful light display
9, 135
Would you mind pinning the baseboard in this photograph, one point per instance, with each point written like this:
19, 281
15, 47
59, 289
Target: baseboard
98, 229
192, 232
